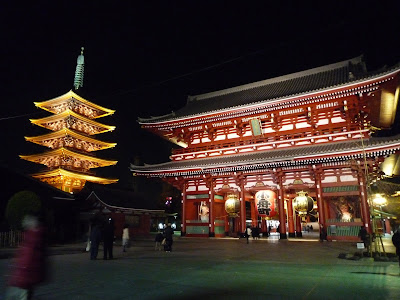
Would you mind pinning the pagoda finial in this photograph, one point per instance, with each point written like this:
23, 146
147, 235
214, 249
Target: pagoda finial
80, 64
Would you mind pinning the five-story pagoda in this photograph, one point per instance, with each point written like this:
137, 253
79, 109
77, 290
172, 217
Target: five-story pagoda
70, 158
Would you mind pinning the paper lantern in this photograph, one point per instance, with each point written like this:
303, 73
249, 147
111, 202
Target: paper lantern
232, 205
265, 203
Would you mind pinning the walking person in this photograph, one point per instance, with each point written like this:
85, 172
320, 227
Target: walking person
108, 239
248, 233
168, 234
95, 239
125, 238
396, 242
159, 238
364, 236
322, 233
30, 267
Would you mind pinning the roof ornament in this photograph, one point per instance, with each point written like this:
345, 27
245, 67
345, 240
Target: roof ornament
80, 66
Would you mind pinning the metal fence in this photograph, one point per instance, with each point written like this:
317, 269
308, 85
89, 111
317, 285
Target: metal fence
12, 238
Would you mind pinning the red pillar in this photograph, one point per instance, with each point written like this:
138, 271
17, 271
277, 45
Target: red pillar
320, 203
364, 201
298, 226
281, 207
183, 231
211, 213
242, 207
290, 218
253, 213
263, 226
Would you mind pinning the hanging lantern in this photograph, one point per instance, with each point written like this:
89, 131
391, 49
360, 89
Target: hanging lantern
232, 205
265, 203
303, 204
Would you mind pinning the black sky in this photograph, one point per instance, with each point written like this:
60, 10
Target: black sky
144, 59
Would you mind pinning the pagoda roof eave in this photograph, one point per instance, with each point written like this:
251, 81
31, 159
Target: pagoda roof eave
62, 172
66, 131
192, 111
291, 156
67, 113
66, 152
72, 94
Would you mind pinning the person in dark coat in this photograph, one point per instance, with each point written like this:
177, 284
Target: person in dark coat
168, 234
95, 239
158, 239
30, 267
364, 236
108, 239
396, 242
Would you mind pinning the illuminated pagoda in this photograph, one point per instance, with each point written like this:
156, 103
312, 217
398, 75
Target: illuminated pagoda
71, 158
253, 148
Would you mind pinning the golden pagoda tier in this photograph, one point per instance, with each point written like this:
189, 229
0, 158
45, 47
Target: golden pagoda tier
72, 101
69, 138
63, 157
70, 119
71, 141
69, 181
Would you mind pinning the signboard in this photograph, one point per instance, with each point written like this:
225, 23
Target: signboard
255, 125
265, 203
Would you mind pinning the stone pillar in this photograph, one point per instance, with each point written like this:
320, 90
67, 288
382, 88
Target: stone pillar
281, 207
290, 218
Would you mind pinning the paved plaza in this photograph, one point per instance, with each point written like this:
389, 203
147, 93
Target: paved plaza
220, 268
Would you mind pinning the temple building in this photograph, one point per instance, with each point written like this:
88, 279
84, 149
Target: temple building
305, 145
70, 158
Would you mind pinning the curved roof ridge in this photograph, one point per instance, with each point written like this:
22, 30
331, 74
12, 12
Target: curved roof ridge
288, 153
282, 78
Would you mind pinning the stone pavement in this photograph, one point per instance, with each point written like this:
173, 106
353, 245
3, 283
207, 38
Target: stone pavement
224, 268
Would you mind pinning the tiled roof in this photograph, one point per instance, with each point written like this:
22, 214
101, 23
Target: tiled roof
294, 155
119, 198
294, 84
283, 86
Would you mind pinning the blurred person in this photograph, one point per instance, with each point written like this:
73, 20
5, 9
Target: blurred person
108, 239
396, 242
30, 265
248, 233
168, 233
364, 236
125, 238
95, 239
158, 239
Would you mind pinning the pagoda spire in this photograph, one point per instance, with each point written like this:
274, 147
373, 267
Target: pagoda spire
80, 66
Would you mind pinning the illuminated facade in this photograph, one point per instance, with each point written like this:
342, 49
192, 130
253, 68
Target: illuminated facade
258, 145
70, 159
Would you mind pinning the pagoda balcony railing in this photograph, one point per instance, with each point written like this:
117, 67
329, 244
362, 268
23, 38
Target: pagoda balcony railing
253, 143
74, 169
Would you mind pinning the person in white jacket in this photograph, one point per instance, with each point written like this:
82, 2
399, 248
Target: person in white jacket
125, 238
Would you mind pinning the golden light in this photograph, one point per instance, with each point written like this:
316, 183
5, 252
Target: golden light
379, 200
303, 204
232, 205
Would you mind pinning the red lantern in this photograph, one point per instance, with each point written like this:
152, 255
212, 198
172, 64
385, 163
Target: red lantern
265, 203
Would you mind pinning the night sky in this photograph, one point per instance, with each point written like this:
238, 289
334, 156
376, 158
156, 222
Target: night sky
144, 59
